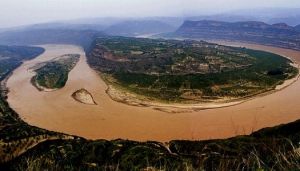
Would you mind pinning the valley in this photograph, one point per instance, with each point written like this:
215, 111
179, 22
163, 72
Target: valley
149, 85
58, 111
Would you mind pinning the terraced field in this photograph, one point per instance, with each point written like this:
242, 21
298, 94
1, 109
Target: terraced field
187, 71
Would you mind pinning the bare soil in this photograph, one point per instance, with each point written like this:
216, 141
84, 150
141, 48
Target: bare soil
83, 96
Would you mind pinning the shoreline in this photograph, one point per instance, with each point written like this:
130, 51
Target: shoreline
40, 65
39, 87
3, 86
81, 101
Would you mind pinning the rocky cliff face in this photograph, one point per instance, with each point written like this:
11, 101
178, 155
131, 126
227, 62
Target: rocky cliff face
280, 34
250, 27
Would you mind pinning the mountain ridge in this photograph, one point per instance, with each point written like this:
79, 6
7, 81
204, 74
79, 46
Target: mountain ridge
135, 28
280, 34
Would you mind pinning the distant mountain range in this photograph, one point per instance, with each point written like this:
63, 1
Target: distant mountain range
141, 26
197, 28
290, 16
49, 36
66, 26
247, 27
136, 28
297, 27
279, 34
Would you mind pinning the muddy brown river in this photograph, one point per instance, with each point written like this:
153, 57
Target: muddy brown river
58, 111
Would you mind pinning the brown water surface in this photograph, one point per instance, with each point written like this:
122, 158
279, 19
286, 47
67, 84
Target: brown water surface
58, 111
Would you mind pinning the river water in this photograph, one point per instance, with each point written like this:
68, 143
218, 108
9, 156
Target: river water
58, 111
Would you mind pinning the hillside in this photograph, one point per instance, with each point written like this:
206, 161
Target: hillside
280, 34
49, 36
12, 56
136, 28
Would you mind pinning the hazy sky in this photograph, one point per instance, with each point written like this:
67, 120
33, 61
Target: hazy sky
20, 12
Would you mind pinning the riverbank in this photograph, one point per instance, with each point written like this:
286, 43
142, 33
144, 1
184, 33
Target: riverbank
123, 96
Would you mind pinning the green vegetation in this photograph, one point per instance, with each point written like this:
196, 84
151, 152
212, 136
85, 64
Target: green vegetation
184, 71
54, 74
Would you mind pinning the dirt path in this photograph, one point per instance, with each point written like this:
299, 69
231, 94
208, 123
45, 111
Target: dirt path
58, 111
